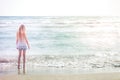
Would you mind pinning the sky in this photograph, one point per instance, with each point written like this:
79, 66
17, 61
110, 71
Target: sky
59, 8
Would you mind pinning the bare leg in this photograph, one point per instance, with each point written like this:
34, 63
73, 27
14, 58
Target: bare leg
24, 60
18, 71
19, 57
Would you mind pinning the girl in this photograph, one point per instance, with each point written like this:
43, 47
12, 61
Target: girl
22, 44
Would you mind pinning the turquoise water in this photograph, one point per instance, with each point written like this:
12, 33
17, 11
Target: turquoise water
65, 35
64, 44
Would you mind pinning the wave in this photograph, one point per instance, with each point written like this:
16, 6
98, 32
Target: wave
69, 61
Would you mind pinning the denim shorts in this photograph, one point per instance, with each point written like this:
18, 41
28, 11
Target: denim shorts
21, 46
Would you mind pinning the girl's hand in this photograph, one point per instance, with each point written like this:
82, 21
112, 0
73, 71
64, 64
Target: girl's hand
28, 46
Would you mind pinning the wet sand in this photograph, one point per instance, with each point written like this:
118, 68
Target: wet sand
90, 76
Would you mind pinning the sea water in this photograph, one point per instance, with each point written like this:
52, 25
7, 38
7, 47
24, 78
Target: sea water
82, 42
65, 35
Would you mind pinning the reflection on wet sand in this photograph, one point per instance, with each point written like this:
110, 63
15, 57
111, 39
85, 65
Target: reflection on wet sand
19, 71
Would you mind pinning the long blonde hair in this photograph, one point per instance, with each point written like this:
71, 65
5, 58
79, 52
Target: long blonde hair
21, 32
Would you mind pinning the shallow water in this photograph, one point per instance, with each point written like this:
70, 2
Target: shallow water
69, 64
65, 44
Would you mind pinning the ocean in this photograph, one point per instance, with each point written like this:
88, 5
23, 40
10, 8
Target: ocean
79, 43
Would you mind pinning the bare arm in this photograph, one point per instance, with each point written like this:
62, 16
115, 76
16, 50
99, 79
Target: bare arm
27, 41
16, 37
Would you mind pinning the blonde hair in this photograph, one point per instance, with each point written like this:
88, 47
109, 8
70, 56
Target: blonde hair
21, 32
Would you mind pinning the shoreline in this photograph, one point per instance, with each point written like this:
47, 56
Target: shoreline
88, 76
54, 70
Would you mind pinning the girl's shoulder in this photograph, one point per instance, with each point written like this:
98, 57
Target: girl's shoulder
17, 32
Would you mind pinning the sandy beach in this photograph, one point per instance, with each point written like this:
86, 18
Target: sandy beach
90, 76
